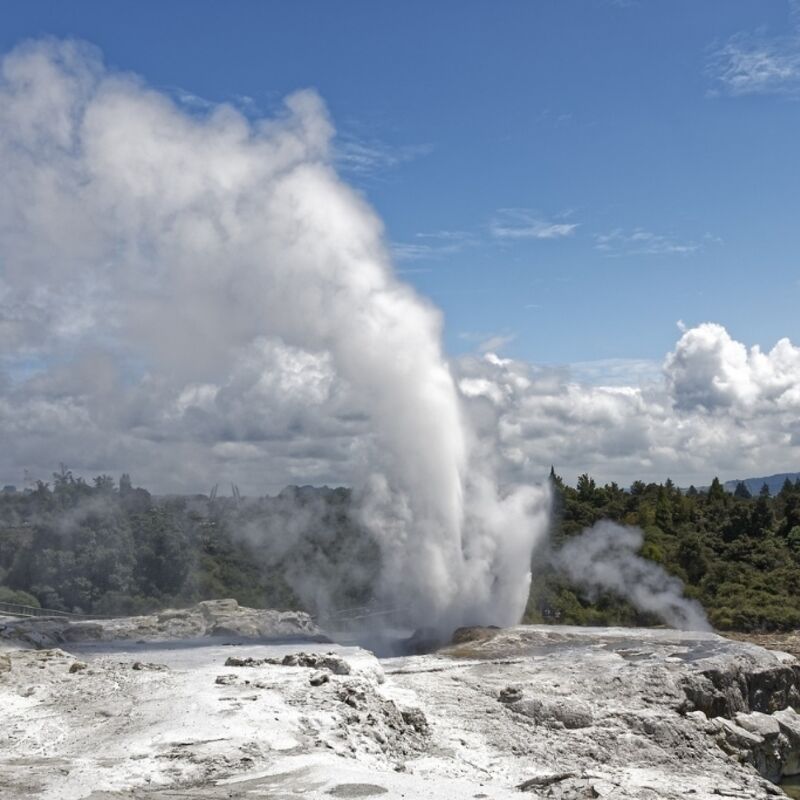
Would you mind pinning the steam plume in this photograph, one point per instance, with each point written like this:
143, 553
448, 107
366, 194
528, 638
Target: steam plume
605, 557
185, 239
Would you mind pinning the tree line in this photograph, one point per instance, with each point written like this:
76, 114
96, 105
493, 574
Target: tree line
107, 547
737, 554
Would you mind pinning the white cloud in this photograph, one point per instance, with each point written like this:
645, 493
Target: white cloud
522, 223
554, 118
434, 245
642, 242
758, 63
192, 101
747, 65
507, 224
716, 408
368, 157
488, 342
141, 298
708, 369
494, 344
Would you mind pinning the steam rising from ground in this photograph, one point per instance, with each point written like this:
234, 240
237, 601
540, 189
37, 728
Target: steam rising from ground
185, 241
604, 557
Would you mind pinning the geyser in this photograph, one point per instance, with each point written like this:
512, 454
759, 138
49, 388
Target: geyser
199, 236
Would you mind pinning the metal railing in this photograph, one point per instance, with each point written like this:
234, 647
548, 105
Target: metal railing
355, 614
16, 610
343, 615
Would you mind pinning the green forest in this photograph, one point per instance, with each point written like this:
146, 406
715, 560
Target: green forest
103, 548
107, 547
737, 554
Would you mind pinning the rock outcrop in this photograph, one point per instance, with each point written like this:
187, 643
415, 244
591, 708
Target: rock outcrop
725, 686
208, 618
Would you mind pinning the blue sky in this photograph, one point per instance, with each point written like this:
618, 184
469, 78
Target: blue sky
575, 177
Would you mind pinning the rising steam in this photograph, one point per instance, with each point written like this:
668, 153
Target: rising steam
604, 557
184, 239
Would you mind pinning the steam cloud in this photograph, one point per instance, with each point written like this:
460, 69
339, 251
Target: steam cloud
189, 241
605, 557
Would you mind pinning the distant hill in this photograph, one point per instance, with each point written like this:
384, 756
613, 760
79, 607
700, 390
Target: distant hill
774, 482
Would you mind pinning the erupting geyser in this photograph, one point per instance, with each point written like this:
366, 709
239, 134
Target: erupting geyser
215, 232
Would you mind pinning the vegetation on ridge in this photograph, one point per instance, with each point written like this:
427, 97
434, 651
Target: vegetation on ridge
739, 555
108, 548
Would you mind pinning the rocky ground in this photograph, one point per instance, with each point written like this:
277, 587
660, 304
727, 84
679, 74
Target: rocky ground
536, 711
786, 641
209, 618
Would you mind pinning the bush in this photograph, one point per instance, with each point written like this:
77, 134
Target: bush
17, 597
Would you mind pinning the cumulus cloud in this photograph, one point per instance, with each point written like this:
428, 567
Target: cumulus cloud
708, 369
716, 407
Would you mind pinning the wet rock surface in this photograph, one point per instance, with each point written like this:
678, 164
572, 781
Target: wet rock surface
545, 712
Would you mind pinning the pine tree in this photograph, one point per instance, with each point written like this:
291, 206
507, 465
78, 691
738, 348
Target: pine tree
716, 492
663, 510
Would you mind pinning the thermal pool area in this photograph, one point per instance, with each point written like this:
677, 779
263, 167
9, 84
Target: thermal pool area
219, 701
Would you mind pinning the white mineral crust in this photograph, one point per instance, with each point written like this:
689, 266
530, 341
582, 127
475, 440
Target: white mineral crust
538, 711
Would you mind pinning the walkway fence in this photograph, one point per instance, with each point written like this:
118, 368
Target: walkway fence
16, 610
356, 614
344, 615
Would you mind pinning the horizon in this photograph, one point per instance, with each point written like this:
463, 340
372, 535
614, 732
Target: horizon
30, 482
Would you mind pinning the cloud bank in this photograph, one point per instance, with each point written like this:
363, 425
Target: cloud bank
718, 408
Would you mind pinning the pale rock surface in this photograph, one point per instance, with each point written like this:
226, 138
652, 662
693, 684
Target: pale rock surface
208, 618
547, 712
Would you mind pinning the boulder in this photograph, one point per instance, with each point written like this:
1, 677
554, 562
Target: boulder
789, 721
329, 661
510, 694
318, 678
754, 739
415, 718
564, 711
